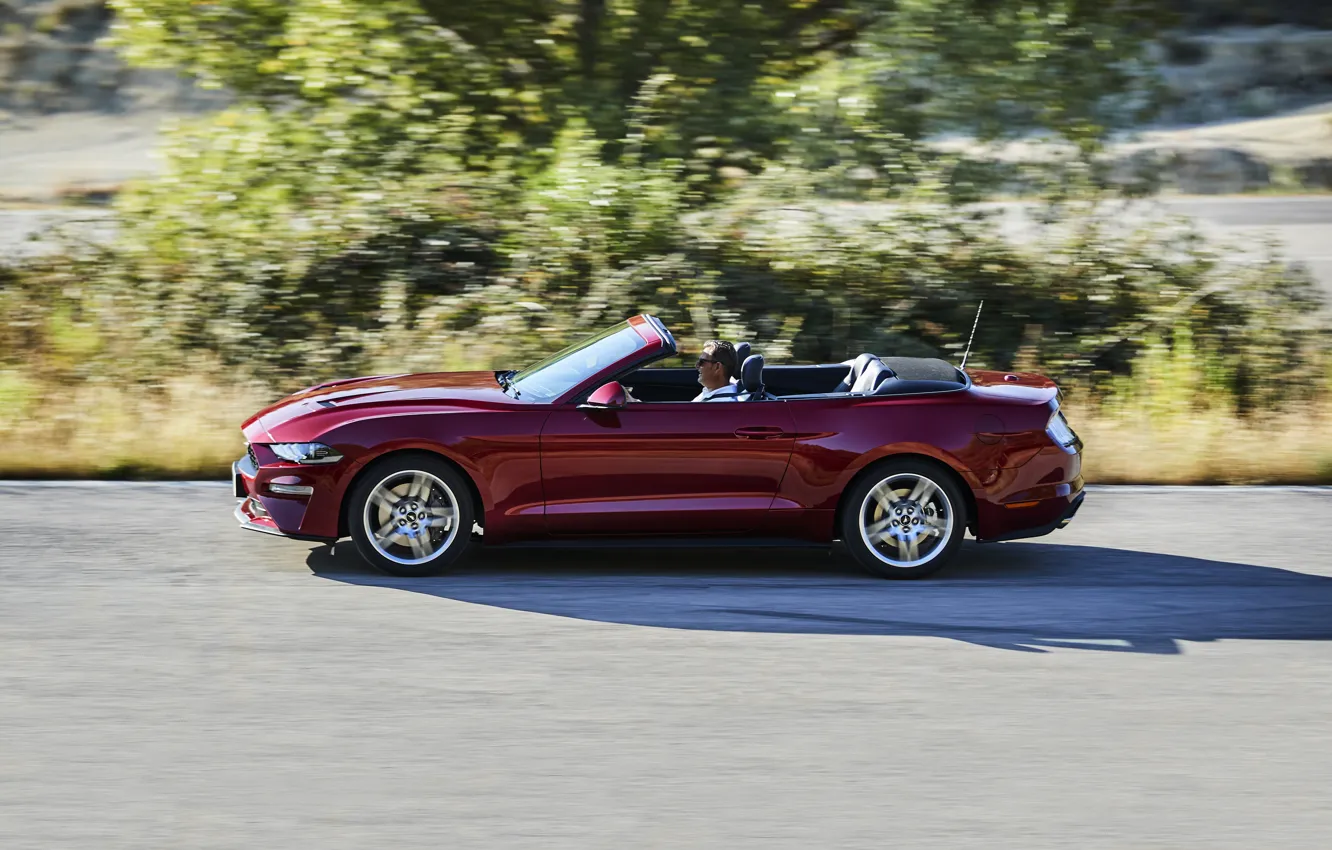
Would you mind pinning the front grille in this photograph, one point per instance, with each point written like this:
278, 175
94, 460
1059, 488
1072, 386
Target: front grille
254, 459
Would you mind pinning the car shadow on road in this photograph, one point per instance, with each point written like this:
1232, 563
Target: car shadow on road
1017, 596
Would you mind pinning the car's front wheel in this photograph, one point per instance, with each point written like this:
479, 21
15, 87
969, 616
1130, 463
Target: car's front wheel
411, 516
904, 520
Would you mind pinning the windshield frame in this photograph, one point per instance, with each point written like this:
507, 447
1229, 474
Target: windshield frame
648, 343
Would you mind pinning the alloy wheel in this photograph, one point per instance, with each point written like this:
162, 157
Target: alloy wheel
411, 517
906, 520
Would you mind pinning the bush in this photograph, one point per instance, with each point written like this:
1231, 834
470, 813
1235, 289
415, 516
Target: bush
418, 284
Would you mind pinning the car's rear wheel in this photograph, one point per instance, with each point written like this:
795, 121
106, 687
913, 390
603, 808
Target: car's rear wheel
905, 519
411, 516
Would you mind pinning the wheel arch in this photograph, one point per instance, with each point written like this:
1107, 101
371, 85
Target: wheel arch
473, 491
968, 495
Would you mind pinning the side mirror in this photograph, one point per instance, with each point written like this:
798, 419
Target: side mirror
606, 397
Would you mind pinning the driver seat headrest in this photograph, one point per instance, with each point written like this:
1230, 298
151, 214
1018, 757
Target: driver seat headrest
741, 352
751, 374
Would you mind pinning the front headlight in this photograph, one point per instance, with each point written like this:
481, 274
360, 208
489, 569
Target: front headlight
305, 452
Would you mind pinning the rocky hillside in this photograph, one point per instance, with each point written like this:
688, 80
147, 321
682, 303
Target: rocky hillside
1244, 72
52, 61
1215, 14
1228, 59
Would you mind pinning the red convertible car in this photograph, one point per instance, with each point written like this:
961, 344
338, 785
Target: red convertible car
896, 457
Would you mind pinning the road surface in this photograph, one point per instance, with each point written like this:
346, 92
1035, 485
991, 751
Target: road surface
1158, 675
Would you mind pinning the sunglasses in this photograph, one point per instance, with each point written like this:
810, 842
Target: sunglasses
703, 360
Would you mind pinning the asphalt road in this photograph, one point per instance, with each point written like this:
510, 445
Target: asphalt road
1158, 675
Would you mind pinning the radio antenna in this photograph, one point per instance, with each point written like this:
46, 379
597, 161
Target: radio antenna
967, 353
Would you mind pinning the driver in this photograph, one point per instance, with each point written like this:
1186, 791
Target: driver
716, 367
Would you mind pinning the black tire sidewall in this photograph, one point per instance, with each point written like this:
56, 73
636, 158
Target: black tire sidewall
850, 521
380, 470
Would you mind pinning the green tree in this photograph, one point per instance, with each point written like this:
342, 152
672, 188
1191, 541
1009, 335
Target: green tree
490, 83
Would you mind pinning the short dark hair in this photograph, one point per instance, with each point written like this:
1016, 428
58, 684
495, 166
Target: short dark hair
724, 353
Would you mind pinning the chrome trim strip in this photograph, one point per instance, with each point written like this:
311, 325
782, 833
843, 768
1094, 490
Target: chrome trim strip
292, 489
661, 329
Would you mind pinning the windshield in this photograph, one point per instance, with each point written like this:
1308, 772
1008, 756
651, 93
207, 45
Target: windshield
565, 370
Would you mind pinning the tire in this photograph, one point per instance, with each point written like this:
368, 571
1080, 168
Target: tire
879, 531
401, 533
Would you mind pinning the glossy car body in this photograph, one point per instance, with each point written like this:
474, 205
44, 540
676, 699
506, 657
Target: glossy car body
546, 464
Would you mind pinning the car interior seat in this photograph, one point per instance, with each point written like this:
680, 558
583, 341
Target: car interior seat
874, 374
751, 380
853, 375
741, 354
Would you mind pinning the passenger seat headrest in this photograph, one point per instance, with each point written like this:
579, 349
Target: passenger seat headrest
751, 374
853, 375
875, 373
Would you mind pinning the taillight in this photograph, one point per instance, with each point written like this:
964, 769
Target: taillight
1060, 433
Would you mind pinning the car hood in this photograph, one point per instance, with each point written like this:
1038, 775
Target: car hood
303, 415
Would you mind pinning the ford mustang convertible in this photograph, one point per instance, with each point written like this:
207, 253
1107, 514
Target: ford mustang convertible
897, 457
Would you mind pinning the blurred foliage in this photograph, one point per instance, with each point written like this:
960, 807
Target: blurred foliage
404, 185
1083, 303
492, 84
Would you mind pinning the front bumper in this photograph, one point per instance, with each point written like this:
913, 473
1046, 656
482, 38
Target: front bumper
247, 514
271, 513
250, 512
243, 472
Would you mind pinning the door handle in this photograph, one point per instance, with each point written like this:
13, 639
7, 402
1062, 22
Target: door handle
761, 432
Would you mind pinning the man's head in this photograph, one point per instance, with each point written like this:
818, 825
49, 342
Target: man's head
716, 365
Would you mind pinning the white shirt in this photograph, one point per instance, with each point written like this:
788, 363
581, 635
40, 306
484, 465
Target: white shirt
726, 392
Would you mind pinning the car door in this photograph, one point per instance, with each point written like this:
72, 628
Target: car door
664, 468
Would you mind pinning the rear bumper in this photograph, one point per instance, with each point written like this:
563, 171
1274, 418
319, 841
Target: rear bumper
1064, 517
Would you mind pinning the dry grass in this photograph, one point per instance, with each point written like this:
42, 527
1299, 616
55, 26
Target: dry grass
189, 428
1206, 447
